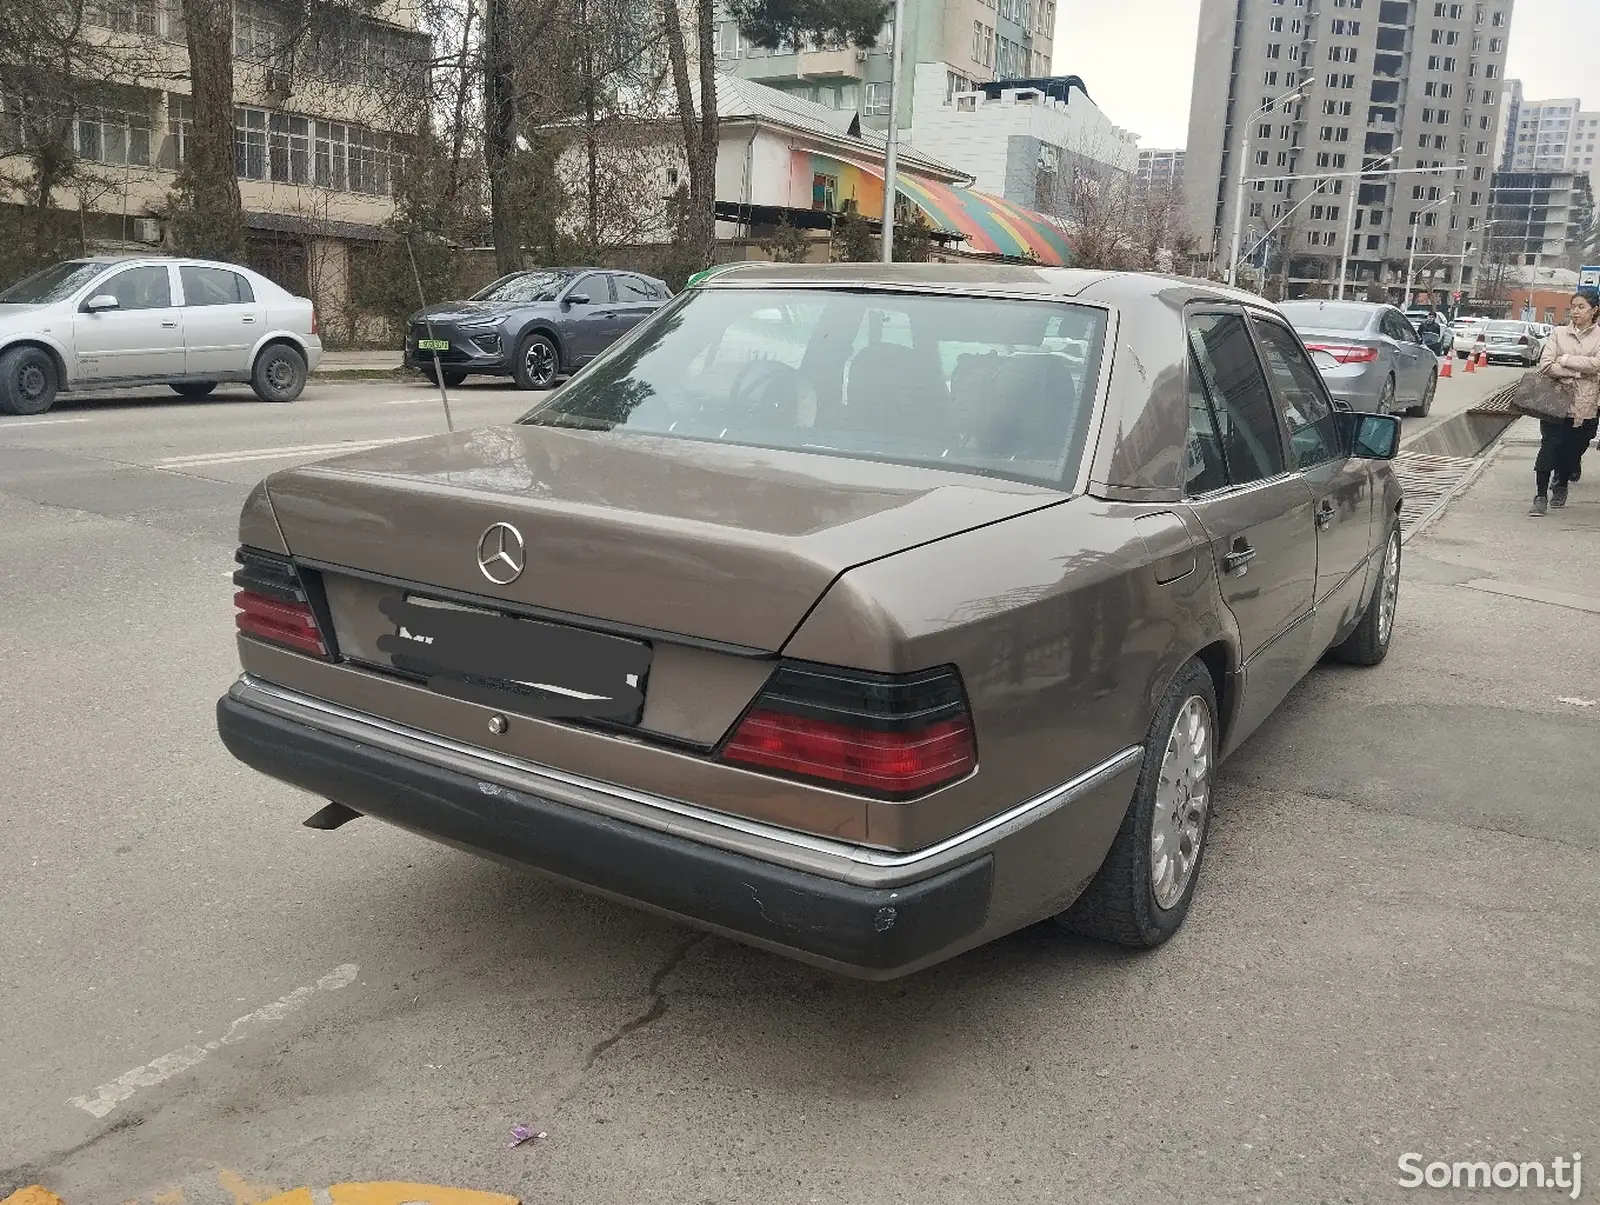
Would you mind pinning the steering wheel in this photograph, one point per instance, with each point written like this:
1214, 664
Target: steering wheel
770, 388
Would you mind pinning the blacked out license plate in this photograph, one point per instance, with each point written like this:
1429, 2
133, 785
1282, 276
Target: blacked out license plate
525, 666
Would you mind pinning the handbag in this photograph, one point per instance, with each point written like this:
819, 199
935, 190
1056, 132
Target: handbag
1540, 397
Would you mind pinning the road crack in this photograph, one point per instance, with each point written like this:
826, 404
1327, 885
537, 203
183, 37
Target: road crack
655, 1007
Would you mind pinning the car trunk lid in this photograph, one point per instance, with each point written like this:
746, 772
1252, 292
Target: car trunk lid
639, 534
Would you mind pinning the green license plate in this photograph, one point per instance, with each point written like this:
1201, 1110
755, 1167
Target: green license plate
433, 345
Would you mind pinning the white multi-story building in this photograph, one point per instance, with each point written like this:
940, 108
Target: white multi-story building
1365, 122
1556, 136
977, 41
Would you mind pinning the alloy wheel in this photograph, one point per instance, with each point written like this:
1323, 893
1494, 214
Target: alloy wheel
540, 363
1183, 796
1389, 600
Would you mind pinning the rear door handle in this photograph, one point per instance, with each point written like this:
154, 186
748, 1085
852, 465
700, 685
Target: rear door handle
1238, 561
247, 318
169, 322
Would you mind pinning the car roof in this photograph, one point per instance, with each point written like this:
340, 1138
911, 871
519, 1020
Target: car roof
985, 277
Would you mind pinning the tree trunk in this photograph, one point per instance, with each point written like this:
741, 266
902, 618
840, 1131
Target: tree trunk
699, 130
458, 127
210, 223
500, 117
591, 140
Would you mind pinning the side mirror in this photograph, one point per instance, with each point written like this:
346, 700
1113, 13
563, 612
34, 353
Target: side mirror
1371, 436
577, 299
103, 301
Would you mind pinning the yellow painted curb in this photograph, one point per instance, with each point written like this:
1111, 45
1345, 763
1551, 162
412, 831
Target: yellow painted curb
34, 1194
386, 1192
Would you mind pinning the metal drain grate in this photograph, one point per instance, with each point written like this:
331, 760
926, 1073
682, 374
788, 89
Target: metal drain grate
1498, 402
1429, 482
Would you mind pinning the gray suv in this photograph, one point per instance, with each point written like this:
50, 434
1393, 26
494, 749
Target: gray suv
532, 326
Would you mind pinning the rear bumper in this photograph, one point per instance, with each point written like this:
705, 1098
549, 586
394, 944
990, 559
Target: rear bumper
872, 931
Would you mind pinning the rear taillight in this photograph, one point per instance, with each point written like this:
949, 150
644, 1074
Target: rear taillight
888, 735
273, 605
1346, 353
313, 320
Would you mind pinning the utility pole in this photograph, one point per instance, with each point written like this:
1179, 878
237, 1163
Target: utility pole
892, 142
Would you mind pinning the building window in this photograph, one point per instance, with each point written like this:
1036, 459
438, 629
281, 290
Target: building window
180, 128
877, 100
1270, 79
728, 40
824, 193
258, 30
289, 149
117, 133
125, 16
1274, 50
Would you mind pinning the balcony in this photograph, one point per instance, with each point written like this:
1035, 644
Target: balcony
1393, 40
1388, 66
1394, 12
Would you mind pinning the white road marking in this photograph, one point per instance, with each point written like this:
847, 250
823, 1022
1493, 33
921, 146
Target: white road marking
108, 1096
40, 422
244, 454
405, 401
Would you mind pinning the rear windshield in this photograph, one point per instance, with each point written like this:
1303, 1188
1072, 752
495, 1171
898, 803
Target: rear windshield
986, 386
1319, 317
1514, 329
52, 283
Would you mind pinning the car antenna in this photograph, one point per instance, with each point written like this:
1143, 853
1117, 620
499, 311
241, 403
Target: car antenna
438, 372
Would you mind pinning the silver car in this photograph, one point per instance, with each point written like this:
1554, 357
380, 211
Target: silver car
1512, 342
115, 322
1379, 363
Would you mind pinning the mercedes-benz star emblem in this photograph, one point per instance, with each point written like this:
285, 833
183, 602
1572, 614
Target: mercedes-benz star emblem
502, 554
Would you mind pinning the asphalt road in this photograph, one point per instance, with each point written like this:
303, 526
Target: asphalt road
1394, 947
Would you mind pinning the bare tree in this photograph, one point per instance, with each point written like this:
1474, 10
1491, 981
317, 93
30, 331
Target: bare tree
699, 129
207, 218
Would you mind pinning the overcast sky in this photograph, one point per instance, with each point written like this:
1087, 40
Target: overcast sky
1137, 57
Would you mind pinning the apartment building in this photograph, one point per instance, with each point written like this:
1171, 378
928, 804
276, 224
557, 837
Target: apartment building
1159, 170
319, 110
977, 40
1538, 219
1555, 136
1357, 125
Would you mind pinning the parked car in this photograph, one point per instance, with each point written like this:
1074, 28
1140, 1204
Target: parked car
866, 637
111, 322
1382, 365
532, 326
1512, 342
1467, 336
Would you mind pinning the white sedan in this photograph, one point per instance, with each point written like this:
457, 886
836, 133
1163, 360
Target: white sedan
116, 322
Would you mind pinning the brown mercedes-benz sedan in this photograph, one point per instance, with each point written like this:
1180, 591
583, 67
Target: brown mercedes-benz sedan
860, 613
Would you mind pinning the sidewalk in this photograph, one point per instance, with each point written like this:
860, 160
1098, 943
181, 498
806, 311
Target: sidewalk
377, 362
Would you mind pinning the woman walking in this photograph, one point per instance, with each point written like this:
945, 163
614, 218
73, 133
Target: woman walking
1571, 356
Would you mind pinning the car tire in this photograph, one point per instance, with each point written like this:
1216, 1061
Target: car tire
451, 379
1369, 643
1421, 409
1139, 898
537, 364
279, 374
1386, 397
28, 381
193, 389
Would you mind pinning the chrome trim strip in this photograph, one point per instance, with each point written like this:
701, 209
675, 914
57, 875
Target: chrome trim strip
819, 855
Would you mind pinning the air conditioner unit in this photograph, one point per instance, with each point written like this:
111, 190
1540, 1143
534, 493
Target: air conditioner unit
279, 82
147, 230
861, 56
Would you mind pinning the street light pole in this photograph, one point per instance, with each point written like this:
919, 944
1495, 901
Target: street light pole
891, 151
1244, 168
1411, 257
1350, 220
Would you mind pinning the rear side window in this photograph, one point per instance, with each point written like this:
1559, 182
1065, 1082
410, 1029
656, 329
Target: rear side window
1205, 468
214, 286
1225, 361
971, 384
631, 288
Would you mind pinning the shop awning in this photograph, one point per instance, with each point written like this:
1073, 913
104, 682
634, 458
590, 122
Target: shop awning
989, 225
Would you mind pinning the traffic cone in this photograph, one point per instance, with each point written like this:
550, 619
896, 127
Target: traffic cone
1472, 362
1445, 369
1483, 359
